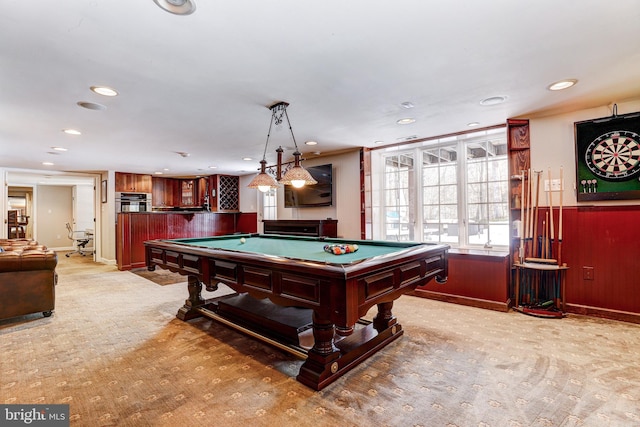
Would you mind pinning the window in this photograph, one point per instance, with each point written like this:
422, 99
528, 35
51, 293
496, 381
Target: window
450, 190
270, 204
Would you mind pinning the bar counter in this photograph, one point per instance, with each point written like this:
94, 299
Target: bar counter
134, 228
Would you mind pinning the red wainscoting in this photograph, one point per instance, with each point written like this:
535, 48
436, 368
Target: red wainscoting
601, 247
132, 229
606, 239
479, 278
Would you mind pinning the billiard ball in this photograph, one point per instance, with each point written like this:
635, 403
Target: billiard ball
242, 240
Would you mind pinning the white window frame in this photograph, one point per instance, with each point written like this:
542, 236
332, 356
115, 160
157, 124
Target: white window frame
414, 222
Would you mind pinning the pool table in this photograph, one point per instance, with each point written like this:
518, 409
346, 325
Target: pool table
289, 287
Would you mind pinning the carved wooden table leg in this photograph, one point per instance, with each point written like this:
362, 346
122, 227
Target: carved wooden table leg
187, 311
321, 361
385, 318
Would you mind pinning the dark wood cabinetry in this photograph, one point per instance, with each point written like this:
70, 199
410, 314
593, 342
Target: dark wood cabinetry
519, 168
133, 182
302, 227
164, 191
223, 191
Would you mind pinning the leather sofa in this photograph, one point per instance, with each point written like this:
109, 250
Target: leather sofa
27, 278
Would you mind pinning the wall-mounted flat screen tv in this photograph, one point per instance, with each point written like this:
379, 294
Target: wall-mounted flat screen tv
311, 196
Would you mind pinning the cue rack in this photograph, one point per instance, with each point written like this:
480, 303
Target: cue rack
539, 270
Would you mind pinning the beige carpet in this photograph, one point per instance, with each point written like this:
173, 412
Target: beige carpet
114, 351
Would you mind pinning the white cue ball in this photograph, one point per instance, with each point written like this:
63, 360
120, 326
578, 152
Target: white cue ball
242, 240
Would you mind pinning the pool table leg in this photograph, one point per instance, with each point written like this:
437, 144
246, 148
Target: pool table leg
385, 318
321, 363
188, 310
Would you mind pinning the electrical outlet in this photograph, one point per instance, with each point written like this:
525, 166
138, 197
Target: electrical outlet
556, 185
587, 273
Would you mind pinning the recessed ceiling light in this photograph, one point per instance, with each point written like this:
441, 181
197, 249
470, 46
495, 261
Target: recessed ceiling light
407, 105
562, 84
406, 121
407, 138
158, 173
213, 167
177, 7
311, 143
494, 100
473, 124
47, 163
247, 159
59, 148
72, 131
104, 90
378, 142
92, 106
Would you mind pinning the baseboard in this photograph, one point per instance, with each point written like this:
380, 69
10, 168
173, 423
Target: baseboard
623, 316
457, 299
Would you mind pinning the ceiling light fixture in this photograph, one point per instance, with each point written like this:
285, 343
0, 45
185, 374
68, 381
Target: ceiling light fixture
562, 84
494, 100
473, 124
311, 143
407, 105
92, 106
104, 90
177, 7
406, 121
72, 131
59, 148
296, 176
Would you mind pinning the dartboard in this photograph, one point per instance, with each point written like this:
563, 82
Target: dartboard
614, 155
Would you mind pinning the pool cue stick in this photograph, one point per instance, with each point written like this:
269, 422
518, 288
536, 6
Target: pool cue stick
530, 213
525, 220
551, 233
535, 217
560, 219
544, 236
521, 231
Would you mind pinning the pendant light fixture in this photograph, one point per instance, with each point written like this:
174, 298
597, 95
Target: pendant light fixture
296, 176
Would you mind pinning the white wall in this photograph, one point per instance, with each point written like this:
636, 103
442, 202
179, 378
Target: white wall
553, 146
54, 208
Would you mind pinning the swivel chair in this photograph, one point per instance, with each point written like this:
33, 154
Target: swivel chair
80, 240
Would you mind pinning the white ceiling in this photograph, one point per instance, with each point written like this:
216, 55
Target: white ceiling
201, 83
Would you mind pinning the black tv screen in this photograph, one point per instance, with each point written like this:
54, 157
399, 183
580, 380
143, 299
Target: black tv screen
320, 194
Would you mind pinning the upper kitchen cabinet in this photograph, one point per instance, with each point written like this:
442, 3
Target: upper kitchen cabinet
133, 182
164, 190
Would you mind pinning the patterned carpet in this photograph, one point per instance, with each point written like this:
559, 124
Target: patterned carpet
114, 351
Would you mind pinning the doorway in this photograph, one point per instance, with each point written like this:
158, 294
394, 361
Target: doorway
20, 200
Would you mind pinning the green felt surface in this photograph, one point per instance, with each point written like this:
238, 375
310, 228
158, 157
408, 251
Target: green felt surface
310, 249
